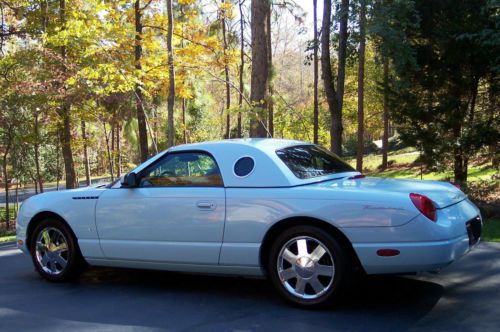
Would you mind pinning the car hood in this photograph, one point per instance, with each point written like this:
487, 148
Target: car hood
442, 193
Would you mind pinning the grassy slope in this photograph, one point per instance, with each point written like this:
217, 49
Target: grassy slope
402, 167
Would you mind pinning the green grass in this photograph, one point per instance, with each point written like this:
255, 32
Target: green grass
7, 238
491, 230
372, 161
402, 167
475, 173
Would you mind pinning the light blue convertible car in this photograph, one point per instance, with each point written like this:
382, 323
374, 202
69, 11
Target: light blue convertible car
288, 210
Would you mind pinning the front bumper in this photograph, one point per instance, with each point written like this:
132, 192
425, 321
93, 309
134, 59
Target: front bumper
21, 239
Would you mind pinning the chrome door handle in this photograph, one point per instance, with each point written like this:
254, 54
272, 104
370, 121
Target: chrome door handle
206, 205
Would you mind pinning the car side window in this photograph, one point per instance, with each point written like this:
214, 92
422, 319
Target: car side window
186, 169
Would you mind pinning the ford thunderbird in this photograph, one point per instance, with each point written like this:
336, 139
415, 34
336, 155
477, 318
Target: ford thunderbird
288, 210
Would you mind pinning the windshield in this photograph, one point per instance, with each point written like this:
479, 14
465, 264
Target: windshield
308, 161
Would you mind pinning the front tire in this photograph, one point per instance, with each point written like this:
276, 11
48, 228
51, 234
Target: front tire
309, 267
55, 252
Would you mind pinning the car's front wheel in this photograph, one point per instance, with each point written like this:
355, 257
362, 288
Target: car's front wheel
55, 252
309, 267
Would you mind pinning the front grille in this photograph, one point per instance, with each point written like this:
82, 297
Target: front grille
474, 230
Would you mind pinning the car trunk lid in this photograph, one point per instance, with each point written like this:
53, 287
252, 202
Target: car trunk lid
443, 194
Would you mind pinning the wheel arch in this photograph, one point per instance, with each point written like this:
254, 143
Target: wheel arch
39, 217
283, 224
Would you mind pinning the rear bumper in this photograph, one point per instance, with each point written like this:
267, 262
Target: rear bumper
423, 245
413, 257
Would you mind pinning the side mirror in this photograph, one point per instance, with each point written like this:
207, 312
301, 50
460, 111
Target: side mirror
130, 180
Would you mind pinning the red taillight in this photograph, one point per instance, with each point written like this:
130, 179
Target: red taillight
424, 205
354, 177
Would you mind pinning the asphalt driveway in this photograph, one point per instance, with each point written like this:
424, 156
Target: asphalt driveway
466, 297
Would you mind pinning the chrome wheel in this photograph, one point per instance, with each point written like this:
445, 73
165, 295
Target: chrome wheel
306, 267
52, 251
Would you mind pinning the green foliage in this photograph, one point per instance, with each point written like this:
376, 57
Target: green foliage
440, 51
491, 230
13, 214
350, 146
443, 76
484, 191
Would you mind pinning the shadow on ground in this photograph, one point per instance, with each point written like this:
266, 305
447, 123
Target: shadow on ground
181, 301
123, 299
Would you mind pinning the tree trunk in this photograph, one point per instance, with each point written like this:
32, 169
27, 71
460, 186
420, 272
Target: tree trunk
113, 127
6, 186
337, 126
242, 65
171, 75
260, 67
16, 209
37, 153
85, 153
226, 73
36, 184
118, 150
316, 73
58, 160
44, 5
65, 131
361, 86
67, 153
385, 137
460, 159
184, 129
141, 116
326, 70
461, 162
471, 121
458, 166
493, 102
270, 103
108, 149
153, 130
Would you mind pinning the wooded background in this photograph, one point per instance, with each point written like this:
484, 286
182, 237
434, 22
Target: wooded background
94, 87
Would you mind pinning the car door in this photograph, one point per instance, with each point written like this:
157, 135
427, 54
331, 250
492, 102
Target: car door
176, 214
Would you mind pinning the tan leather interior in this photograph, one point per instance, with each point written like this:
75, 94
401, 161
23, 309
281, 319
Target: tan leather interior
172, 181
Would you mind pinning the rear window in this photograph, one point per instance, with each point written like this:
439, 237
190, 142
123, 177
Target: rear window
309, 161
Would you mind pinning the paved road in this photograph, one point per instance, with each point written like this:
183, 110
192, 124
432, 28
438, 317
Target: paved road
24, 194
466, 297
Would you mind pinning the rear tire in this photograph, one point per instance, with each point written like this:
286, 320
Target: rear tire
309, 267
55, 252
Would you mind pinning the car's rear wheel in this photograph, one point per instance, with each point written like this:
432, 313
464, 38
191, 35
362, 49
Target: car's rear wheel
55, 252
309, 267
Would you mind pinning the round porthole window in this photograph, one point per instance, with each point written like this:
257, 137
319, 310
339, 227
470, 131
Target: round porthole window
244, 166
